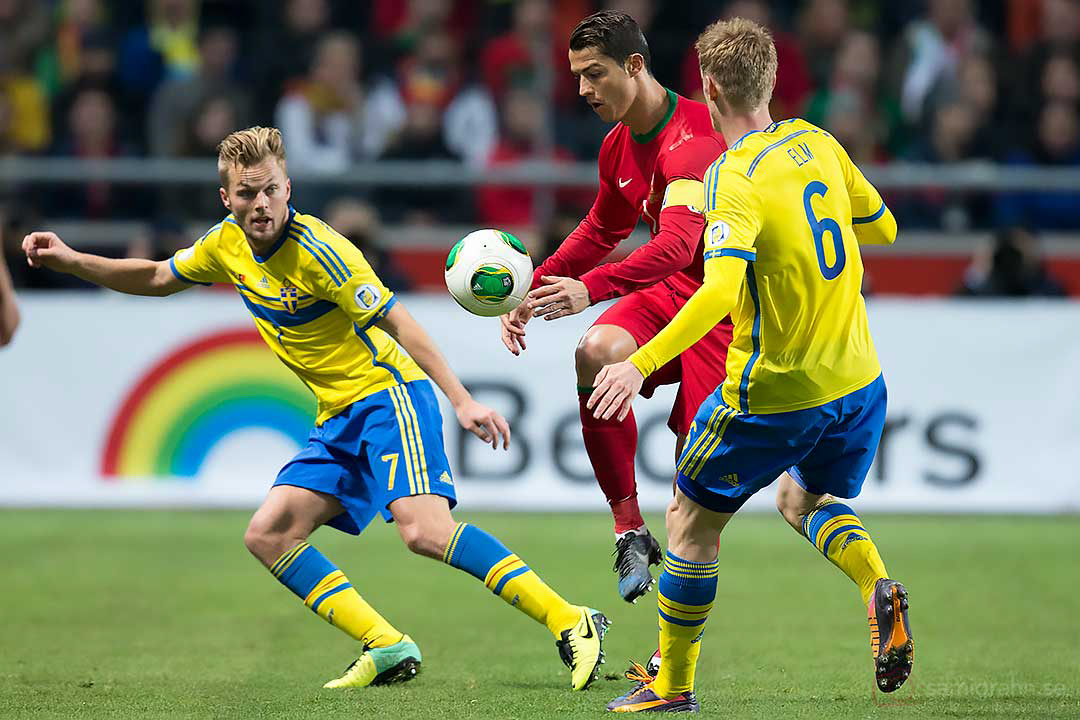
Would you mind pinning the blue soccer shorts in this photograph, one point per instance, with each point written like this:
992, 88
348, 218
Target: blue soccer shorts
729, 456
386, 446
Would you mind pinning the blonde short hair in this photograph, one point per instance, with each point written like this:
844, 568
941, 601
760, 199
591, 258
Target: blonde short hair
244, 148
740, 57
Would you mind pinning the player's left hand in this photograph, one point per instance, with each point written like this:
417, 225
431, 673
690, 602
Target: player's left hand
484, 423
558, 297
616, 386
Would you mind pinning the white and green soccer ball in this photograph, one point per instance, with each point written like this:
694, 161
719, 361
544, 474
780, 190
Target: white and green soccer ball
489, 272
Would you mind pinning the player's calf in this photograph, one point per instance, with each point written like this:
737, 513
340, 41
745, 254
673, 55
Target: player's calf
578, 631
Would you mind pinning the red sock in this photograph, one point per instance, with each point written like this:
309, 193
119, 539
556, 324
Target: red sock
611, 446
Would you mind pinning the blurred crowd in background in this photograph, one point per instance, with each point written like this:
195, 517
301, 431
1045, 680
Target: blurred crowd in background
486, 83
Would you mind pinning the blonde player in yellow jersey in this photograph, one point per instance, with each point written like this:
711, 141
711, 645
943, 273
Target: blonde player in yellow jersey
786, 211
377, 445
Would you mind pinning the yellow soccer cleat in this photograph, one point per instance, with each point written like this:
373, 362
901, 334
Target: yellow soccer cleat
581, 647
381, 666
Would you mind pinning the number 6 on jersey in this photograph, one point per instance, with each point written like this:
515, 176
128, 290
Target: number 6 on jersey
819, 228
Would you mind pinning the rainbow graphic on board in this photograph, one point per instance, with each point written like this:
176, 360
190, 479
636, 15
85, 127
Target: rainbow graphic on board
190, 400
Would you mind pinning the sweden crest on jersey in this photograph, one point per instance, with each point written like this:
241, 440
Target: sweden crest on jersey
289, 298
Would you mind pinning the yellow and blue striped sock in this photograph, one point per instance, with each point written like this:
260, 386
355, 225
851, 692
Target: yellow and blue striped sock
685, 594
331, 596
836, 531
485, 558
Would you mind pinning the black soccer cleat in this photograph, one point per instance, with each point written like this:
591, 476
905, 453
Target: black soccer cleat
891, 641
634, 553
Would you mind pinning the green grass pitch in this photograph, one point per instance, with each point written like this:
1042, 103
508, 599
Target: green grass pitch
163, 614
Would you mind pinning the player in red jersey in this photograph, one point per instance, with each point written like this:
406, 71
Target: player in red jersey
651, 165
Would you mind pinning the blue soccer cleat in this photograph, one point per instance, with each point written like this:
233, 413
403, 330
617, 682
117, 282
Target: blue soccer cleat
634, 553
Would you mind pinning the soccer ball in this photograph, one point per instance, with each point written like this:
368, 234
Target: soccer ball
489, 272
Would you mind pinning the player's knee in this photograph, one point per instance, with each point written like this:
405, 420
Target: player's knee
794, 503
672, 510
599, 347
266, 542
256, 539
788, 509
421, 539
587, 356
678, 525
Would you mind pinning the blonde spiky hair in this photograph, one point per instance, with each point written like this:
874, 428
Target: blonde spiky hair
244, 148
740, 57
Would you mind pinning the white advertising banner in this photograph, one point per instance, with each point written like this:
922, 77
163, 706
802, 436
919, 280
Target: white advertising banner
118, 401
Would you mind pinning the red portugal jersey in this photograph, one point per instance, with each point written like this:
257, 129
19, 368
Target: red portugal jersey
640, 178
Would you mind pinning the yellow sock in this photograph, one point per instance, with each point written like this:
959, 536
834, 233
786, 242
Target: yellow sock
685, 594
331, 596
482, 555
838, 533
514, 582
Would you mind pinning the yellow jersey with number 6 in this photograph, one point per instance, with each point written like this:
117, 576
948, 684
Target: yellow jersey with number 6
789, 200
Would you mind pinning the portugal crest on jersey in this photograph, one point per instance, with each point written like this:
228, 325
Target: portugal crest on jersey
289, 297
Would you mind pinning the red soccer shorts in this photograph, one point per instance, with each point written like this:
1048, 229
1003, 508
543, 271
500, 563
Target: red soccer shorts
698, 371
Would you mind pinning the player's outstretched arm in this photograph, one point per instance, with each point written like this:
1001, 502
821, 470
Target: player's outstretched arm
480, 420
133, 276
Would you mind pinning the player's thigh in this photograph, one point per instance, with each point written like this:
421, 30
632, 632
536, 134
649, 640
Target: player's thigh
729, 455
405, 452
839, 462
625, 326
642, 313
292, 510
331, 464
638, 317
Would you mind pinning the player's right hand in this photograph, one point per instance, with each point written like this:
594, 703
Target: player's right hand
46, 249
513, 328
484, 423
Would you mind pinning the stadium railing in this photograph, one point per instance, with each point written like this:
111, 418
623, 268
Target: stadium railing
974, 176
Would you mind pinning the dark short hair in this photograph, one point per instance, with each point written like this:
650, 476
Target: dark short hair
614, 34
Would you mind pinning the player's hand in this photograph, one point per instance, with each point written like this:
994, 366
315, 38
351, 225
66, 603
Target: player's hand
558, 297
484, 423
616, 387
513, 327
46, 249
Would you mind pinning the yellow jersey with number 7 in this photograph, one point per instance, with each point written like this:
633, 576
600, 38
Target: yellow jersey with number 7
789, 200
